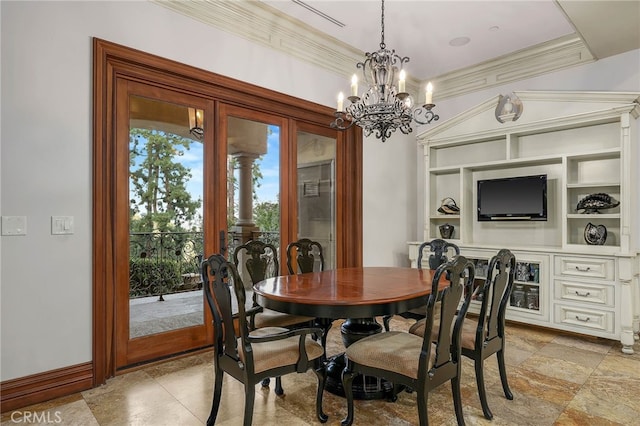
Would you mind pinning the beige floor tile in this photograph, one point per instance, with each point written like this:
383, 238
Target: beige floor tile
556, 379
589, 343
571, 417
586, 358
614, 400
558, 368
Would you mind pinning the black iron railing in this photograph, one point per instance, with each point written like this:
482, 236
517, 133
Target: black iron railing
235, 239
164, 262
169, 262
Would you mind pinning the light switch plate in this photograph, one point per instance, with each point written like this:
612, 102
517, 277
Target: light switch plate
61, 225
14, 225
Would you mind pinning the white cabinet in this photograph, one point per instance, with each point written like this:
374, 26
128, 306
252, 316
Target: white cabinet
586, 143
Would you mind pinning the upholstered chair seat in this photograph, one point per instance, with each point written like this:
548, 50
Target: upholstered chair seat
270, 355
395, 351
269, 318
467, 336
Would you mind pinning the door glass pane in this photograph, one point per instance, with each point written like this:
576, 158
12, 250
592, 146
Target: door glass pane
253, 204
316, 192
165, 219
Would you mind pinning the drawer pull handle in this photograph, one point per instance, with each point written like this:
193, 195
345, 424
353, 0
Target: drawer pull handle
579, 318
587, 269
587, 294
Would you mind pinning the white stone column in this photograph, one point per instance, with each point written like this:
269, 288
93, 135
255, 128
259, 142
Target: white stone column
245, 189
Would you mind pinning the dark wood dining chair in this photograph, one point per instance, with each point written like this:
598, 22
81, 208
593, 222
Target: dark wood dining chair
260, 260
251, 356
484, 335
305, 255
413, 361
440, 251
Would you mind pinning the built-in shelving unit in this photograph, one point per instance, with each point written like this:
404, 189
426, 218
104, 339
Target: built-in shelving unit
585, 143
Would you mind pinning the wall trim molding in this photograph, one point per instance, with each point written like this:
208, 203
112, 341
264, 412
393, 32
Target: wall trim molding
265, 25
36, 388
555, 55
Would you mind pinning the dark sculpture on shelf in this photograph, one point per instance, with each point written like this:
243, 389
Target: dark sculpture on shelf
595, 234
594, 202
448, 206
446, 230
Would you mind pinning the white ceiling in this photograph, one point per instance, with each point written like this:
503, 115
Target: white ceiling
509, 40
423, 29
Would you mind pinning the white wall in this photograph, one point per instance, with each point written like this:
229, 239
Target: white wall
46, 139
388, 201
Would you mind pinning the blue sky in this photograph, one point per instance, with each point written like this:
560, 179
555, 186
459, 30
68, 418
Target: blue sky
269, 166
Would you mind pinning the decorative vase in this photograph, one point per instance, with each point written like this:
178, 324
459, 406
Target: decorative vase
593, 203
446, 230
595, 234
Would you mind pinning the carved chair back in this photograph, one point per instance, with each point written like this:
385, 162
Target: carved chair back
260, 260
308, 256
496, 293
441, 251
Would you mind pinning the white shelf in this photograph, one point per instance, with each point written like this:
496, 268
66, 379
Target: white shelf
593, 185
593, 216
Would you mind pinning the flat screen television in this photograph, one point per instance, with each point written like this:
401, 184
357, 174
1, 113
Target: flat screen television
514, 198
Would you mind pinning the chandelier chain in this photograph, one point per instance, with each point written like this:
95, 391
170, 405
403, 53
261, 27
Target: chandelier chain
382, 45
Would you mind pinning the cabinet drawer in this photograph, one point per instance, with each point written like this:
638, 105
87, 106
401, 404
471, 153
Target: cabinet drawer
585, 267
597, 294
583, 320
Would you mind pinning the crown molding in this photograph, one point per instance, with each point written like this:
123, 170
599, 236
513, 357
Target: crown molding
554, 55
265, 25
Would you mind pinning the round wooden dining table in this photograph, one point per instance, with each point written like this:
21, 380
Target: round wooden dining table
358, 292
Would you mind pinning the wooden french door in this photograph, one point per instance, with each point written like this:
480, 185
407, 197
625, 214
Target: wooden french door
165, 200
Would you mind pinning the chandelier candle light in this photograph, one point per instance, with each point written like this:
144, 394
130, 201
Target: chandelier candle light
385, 106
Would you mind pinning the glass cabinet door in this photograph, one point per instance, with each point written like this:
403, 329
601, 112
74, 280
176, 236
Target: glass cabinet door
316, 194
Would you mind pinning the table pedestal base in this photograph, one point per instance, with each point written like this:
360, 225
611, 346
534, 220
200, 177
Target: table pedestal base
364, 387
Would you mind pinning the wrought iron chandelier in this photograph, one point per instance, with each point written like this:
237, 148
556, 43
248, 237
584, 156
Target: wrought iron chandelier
385, 106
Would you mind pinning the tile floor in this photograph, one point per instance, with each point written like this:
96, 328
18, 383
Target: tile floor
557, 379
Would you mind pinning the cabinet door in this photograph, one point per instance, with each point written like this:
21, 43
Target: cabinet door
530, 295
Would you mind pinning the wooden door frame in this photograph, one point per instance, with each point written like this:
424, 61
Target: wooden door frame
112, 61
